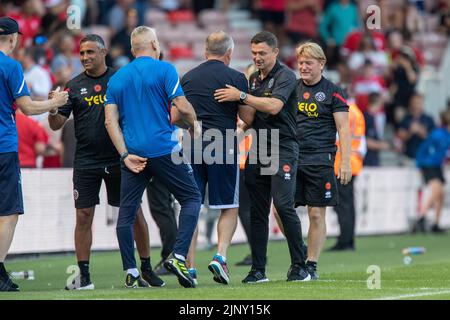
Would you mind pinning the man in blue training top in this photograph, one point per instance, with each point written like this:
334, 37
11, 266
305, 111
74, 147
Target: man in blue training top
138, 120
13, 93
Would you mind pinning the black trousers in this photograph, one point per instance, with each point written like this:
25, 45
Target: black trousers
281, 188
244, 205
346, 214
161, 208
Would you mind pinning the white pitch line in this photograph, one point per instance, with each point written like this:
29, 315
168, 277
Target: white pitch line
414, 295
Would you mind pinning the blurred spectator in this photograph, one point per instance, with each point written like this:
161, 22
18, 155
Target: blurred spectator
339, 19
38, 79
444, 22
302, 19
353, 41
32, 140
414, 21
66, 65
397, 41
415, 127
430, 159
375, 119
272, 15
123, 37
117, 15
200, 5
403, 79
368, 51
29, 20
365, 83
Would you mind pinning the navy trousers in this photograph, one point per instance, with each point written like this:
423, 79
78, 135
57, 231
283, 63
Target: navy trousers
179, 180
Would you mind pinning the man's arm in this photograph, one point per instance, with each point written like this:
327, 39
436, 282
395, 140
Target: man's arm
133, 162
246, 114
56, 121
185, 113
342, 124
267, 105
30, 107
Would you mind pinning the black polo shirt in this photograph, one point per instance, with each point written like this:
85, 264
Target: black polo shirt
94, 148
316, 128
199, 86
280, 83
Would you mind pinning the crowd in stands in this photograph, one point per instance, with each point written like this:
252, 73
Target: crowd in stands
379, 68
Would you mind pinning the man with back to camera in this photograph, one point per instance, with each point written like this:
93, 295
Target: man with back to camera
222, 172
322, 111
96, 160
273, 96
13, 93
138, 119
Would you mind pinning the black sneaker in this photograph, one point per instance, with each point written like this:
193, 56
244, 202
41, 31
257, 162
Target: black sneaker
6, 284
419, 226
82, 282
152, 279
341, 247
312, 272
247, 261
436, 229
15, 286
160, 270
135, 282
298, 273
255, 276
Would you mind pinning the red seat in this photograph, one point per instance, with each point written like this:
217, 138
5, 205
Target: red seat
181, 52
178, 16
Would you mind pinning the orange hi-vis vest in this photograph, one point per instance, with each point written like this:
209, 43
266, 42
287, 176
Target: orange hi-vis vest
358, 141
244, 148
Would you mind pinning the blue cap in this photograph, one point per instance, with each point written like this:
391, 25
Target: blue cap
8, 26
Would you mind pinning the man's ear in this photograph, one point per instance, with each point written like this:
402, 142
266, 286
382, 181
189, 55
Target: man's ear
276, 51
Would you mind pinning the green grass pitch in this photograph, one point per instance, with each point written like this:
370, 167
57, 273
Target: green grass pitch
343, 275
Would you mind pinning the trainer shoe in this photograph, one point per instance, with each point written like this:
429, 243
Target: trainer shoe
247, 261
255, 276
81, 282
298, 273
219, 269
419, 226
193, 273
135, 282
312, 272
152, 279
436, 229
6, 284
178, 268
160, 270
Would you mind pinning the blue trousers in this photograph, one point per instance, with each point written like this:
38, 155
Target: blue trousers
179, 180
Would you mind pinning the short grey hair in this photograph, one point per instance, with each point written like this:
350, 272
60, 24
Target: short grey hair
142, 31
218, 43
94, 38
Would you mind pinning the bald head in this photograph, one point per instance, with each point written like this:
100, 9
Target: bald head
218, 44
144, 42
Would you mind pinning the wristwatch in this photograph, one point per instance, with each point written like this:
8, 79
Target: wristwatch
123, 156
242, 97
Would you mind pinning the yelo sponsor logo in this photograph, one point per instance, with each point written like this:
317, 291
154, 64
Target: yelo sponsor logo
308, 108
97, 99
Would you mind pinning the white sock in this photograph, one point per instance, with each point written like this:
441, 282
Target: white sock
134, 272
179, 257
223, 257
